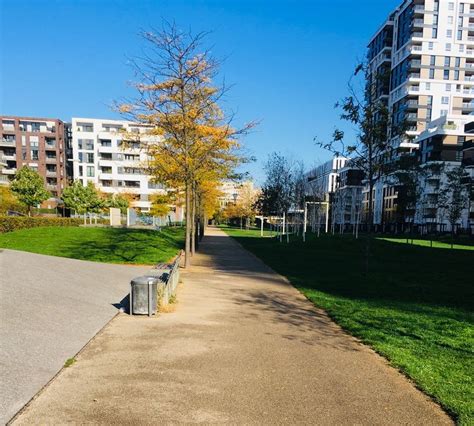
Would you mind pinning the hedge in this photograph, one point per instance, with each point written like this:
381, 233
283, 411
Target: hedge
12, 223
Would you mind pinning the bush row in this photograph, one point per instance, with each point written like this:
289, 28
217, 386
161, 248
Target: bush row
12, 223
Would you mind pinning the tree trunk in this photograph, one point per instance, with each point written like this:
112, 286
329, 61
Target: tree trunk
189, 225
370, 224
193, 219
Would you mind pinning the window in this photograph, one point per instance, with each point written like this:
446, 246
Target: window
456, 74
81, 157
448, 47
450, 19
436, 5
445, 100
430, 45
446, 75
432, 73
448, 87
457, 62
459, 37
435, 19
447, 61
432, 60
444, 112
81, 170
90, 171
461, 47
449, 33
428, 86
451, 5
434, 33
106, 143
85, 127
89, 157
461, 7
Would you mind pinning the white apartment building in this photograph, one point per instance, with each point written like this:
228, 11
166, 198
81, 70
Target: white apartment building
322, 180
99, 156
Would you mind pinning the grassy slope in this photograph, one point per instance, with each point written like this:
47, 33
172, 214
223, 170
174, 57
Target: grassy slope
111, 245
414, 307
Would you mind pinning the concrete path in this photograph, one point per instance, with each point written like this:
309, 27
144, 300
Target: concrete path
242, 347
50, 307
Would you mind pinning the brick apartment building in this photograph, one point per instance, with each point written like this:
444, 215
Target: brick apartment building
39, 143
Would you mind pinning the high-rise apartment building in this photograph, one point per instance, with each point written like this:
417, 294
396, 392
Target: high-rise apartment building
421, 64
101, 156
432, 67
37, 143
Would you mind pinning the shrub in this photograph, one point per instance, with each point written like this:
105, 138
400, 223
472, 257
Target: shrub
12, 223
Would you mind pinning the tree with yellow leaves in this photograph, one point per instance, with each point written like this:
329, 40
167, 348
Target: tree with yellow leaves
193, 137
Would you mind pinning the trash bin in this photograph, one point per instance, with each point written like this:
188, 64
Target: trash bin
143, 295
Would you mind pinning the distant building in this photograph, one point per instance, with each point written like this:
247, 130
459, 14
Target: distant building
38, 143
322, 180
232, 192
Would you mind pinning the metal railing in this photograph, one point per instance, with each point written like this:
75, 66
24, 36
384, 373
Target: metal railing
169, 282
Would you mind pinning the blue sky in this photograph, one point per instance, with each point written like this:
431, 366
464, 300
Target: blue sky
288, 61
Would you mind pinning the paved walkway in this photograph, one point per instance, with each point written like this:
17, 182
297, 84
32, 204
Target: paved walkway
50, 307
242, 347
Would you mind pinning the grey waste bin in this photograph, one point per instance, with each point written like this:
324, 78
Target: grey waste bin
143, 295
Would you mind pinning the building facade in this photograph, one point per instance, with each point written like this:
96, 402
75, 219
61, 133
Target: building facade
322, 181
38, 143
421, 64
100, 156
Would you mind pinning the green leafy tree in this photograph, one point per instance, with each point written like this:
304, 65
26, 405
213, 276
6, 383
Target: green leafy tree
28, 186
119, 201
82, 199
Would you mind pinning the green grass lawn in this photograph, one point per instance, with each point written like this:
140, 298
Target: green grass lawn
415, 306
110, 245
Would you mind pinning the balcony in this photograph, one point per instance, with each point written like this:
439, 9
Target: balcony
4, 180
8, 127
51, 173
413, 75
11, 157
51, 159
412, 116
9, 171
419, 8
51, 187
418, 22
468, 106
7, 142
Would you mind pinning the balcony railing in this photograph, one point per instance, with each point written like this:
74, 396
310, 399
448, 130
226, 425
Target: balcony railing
7, 142
414, 75
51, 173
418, 22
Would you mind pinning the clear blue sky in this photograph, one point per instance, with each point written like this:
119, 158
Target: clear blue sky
289, 61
